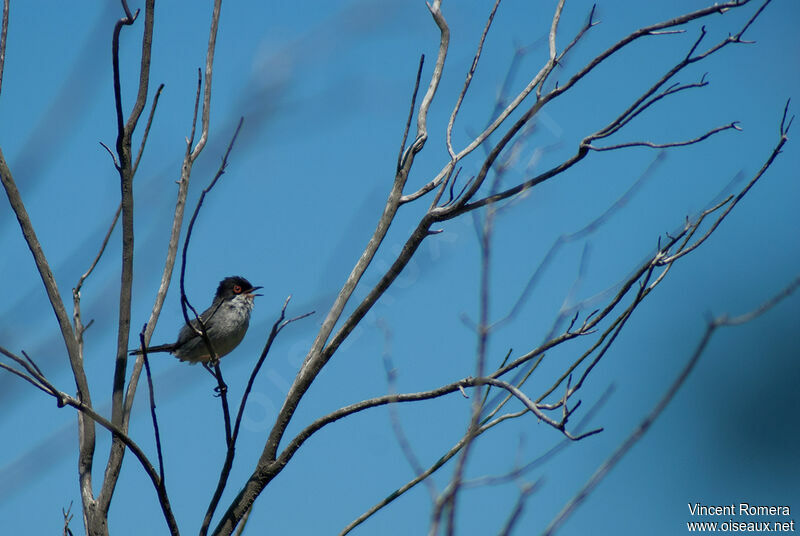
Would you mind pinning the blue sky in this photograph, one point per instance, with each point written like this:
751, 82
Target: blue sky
324, 92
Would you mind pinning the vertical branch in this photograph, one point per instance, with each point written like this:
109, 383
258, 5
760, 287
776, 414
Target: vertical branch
444, 43
222, 392
144, 70
153, 412
125, 168
212, 44
180, 205
449, 499
169, 264
410, 113
200, 328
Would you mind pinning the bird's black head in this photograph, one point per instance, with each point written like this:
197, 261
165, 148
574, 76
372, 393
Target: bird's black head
233, 286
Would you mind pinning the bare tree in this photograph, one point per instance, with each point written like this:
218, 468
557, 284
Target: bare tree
499, 390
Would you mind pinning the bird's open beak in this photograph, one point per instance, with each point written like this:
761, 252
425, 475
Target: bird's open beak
250, 292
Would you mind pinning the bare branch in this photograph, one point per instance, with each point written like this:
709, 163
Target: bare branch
470, 74
444, 42
279, 324
643, 275
76, 292
525, 492
169, 263
644, 426
63, 399
144, 68
652, 145
86, 430
646, 101
143, 346
24, 376
184, 300
67, 520
590, 23
125, 130
512, 106
485, 426
319, 353
212, 44
580, 234
401, 155
127, 20
784, 126
466, 204
775, 152
394, 418
201, 328
3, 35
147, 128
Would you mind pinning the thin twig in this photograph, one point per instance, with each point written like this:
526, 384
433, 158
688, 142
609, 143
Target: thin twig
467, 81
169, 263
652, 145
644, 426
525, 492
67, 518
147, 128
184, 300
400, 156
580, 234
279, 324
394, 417
466, 204
152, 404
222, 393
3, 35
201, 330
486, 426
30, 379
209, 71
448, 500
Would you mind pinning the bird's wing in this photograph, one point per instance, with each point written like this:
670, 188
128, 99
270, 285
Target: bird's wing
188, 333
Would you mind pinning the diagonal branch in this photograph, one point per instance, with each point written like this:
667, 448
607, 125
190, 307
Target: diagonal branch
466, 203
3, 35
644, 426
86, 430
470, 74
485, 426
320, 352
40, 381
279, 324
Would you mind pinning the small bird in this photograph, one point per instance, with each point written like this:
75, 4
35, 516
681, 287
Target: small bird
226, 321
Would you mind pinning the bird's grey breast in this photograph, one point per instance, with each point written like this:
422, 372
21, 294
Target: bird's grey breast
226, 323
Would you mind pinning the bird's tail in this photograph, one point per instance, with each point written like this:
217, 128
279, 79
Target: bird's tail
152, 349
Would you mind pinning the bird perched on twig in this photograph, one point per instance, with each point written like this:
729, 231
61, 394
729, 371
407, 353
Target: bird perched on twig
226, 322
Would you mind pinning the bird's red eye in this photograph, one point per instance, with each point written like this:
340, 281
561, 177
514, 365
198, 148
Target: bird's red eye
237, 289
